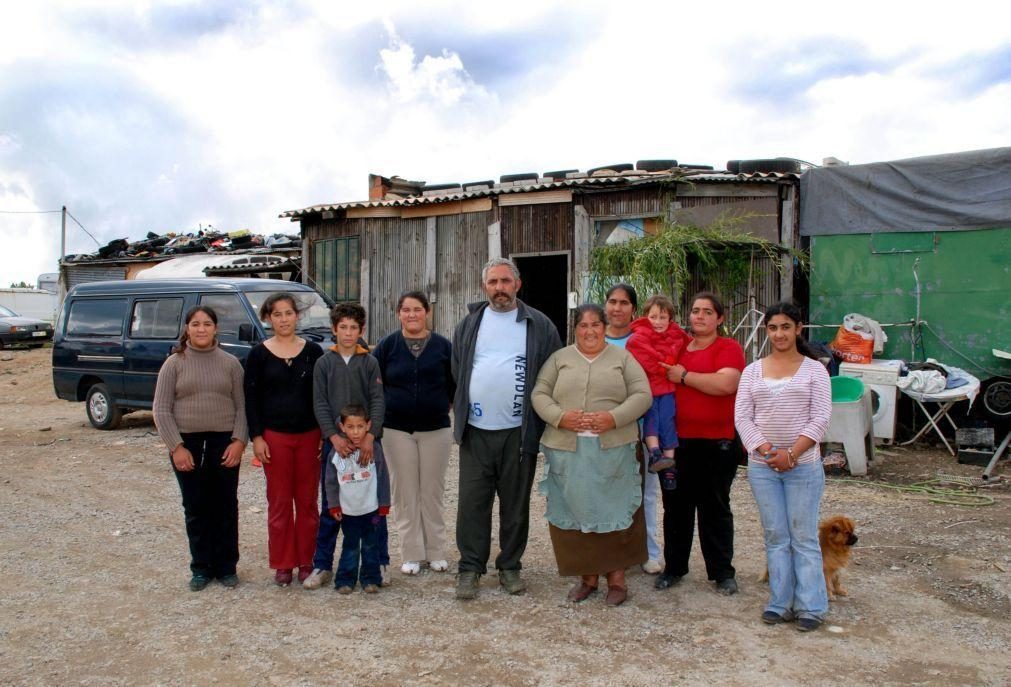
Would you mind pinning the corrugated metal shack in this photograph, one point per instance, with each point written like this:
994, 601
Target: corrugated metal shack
412, 235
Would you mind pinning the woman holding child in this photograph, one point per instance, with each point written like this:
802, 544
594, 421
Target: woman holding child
278, 391
418, 388
783, 408
705, 382
591, 395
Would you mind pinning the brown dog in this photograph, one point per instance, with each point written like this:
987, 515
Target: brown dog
836, 535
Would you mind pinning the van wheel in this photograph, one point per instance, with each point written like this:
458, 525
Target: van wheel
101, 408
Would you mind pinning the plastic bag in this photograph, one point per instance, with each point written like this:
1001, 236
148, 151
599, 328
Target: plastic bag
852, 347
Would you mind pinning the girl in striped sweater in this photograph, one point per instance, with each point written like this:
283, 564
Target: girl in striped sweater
782, 411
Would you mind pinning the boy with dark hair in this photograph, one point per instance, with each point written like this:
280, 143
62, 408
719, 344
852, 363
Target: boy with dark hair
359, 498
344, 375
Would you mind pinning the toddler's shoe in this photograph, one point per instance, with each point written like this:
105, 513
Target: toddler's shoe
669, 480
371, 589
658, 461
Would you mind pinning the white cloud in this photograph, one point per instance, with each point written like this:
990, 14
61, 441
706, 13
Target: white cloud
291, 105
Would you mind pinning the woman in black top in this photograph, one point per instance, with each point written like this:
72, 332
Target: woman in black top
418, 388
278, 385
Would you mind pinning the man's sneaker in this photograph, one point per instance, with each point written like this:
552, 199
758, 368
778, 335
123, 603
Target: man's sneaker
410, 568
727, 587
666, 581
467, 584
808, 624
317, 578
669, 479
230, 581
658, 461
511, 581
198, 582
651, 567
384, 576
439, 565
371, 589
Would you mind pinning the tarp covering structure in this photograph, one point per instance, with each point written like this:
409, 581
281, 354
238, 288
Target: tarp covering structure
953, 192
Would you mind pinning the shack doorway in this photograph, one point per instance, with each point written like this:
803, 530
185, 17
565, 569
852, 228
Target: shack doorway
545, 278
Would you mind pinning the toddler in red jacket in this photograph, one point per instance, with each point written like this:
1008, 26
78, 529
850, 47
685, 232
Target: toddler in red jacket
656, 343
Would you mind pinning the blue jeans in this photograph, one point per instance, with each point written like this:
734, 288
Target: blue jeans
659, 421
360, 552
326, 535
788, 503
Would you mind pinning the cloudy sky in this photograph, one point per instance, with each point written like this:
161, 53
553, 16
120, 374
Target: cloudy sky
162, 116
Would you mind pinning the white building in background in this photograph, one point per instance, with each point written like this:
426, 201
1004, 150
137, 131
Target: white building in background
42, 305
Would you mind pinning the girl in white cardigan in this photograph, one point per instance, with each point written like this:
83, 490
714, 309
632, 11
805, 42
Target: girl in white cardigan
782, 411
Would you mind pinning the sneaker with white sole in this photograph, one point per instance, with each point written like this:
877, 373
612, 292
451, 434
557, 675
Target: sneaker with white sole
410, 568
652, 567
439, 565
317, 578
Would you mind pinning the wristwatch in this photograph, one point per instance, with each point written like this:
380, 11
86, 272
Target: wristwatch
684, 374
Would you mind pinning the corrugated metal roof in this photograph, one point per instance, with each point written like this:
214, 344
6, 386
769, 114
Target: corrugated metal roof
630, 178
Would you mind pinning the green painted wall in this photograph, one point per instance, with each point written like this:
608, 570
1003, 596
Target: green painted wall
965, 282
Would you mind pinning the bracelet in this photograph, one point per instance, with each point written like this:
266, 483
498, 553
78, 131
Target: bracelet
684, 374
789, 453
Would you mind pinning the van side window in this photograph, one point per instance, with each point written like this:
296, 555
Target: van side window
230, 312
96, 317
156, 319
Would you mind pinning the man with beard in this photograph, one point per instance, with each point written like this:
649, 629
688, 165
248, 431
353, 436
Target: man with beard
498, 349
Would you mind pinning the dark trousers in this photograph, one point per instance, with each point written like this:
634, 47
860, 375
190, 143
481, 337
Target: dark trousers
210, 505
359, 560
491, 463
326, 535
706, 469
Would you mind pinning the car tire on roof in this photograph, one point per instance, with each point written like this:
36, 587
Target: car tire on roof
778, 165
103, 411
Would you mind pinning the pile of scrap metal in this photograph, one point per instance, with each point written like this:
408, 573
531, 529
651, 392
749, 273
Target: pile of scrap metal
204, 241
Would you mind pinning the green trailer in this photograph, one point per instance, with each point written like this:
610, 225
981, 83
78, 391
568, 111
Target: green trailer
924, 247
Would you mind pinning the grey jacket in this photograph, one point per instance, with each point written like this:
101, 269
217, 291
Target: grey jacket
542, 341
335, 384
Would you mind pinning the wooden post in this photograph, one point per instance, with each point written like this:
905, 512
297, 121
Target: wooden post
430, 240
494, 240
582, 245
363, 291
788, 226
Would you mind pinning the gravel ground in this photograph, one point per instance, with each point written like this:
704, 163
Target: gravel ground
93, 573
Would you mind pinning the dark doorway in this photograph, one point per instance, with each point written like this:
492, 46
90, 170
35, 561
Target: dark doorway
546, 287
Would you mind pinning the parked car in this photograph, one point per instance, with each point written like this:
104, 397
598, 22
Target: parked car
112, 337
15, 329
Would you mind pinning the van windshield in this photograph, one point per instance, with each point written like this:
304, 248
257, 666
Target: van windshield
315, 313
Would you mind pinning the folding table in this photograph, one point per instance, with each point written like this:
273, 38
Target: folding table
945, 401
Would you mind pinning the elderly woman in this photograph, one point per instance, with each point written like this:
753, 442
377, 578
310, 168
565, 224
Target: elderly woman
591, 394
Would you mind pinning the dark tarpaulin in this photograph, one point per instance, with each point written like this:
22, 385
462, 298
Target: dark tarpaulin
958, 191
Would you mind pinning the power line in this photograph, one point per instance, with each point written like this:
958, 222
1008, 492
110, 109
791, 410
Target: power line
83, 229
29, 212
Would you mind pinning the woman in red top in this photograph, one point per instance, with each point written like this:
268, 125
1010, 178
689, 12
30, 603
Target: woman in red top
706, 378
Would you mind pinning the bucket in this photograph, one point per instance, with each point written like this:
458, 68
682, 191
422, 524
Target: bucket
846, 389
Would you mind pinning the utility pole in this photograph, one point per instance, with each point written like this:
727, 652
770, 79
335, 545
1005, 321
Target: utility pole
63, 254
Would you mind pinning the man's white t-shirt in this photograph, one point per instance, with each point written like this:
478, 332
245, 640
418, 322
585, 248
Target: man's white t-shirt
498, 378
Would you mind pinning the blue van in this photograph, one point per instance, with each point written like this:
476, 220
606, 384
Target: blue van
112, 337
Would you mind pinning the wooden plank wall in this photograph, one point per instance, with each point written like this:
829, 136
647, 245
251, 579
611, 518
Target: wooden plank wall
461, 252
395, 249
537, 228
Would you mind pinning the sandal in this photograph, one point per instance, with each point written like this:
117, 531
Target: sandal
581, 592
615, 595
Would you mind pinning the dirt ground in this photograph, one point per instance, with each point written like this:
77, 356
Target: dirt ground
93, 573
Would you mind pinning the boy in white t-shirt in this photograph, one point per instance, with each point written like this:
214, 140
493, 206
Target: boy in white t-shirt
359, 496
